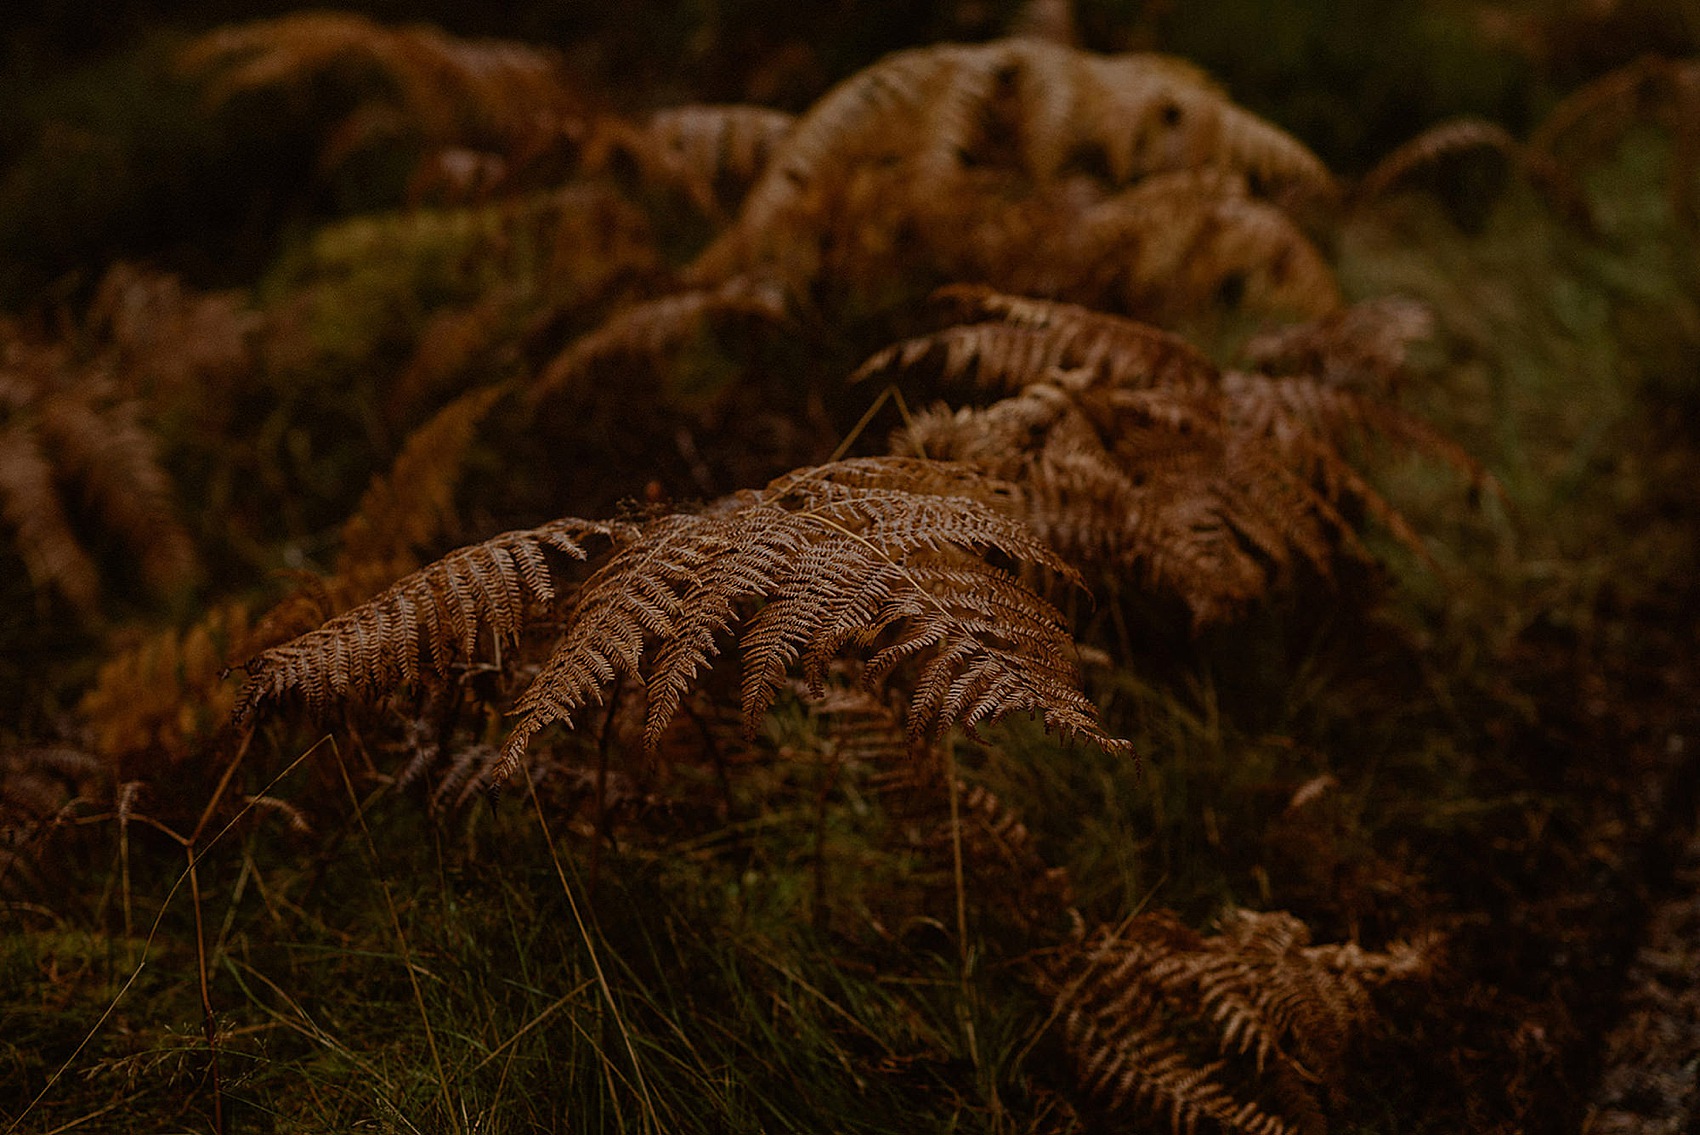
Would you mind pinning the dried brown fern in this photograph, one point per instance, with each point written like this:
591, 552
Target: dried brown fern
653, 328
68, 444
713, 154
861, 554
1178, 507
965, 161
506, 97
839, 556
1004, 341
1149, 483
1454, 136
438, 615
1176, 244
160, 698
1279, 1014
928, 108
1133, 452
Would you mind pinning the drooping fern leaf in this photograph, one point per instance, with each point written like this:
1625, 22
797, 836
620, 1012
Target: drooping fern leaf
439, 612
1134, 452
883, 555
1002, 342
837, 556
1145, 188
64, 426
1278, 1013
711, 153
511, 97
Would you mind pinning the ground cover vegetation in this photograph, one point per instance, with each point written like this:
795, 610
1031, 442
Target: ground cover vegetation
1022, 568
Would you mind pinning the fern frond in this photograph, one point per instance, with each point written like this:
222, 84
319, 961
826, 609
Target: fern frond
1129, 999
1454, 136
102, 446
412, 505
927, 107
651, 329
439, 612
29, 500
1023, 338
1133, 451
1193, 238
959, 161
1150, 482
712, 153
63, 428
835, 559
449, 91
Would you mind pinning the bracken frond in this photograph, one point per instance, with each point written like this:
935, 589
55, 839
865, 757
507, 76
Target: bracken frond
828, 558
929, 107
412, 505
511, 97
713, 154
1021, 338
1149, 482
859, 554
651, 329
70, 445
1134, 173
1454, 136
1134, 452
1129, 997
436, 615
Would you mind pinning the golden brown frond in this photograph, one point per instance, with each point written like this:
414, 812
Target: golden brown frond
652, 329
859, 554
1278, 1013
1133, 452
1147, 482
836, 558
29, 500
938, 108
1007, 875
713, 154
100, 445
1590, 121
1039, 169
503, 96
412, 505
1192, 239
441, 612
1454, 136
161, 697
72, 450
1021, 338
